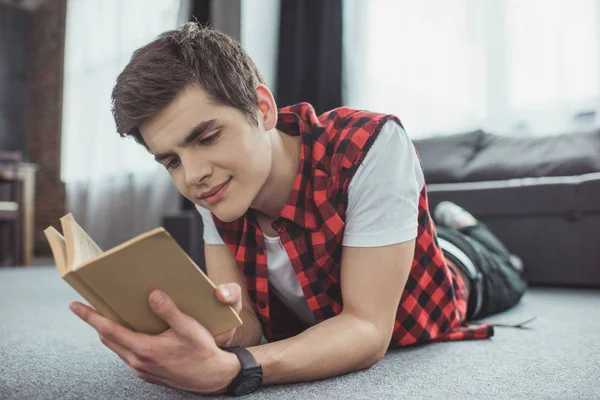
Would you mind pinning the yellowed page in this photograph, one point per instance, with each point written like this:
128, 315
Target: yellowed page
58, 247
124, 277
81, 247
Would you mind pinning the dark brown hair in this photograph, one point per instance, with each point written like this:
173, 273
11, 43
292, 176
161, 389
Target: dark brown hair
176, 59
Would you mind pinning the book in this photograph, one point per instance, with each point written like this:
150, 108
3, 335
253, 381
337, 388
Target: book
118, 282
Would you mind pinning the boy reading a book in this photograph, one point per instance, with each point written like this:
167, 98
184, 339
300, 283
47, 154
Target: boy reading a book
316, 227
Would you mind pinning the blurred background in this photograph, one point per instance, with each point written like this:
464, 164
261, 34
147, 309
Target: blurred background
516, 68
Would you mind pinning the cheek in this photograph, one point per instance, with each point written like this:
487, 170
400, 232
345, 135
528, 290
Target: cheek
179, 181
254, 166
249, 158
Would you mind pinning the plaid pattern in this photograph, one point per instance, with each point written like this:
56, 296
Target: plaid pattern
311, 227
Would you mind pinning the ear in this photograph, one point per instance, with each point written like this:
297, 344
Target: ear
267, 108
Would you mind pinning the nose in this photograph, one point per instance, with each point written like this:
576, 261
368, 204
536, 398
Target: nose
196, 169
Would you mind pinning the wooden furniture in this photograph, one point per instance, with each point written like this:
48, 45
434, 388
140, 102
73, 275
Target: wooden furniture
10, 209
24, 174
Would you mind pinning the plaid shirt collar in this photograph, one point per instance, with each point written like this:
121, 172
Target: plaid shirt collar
300, 207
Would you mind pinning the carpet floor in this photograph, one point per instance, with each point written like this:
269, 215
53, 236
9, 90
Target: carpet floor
48, 353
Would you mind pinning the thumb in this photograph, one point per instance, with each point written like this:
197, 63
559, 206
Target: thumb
231, 294
165, 308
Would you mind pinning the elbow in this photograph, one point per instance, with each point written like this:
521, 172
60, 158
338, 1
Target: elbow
377, 355
373, 357
383, 348
378, 344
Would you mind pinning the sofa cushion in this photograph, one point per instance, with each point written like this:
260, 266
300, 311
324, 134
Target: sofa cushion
444, 158
480, 156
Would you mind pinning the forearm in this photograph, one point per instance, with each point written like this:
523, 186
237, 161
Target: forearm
339, 345
250, 333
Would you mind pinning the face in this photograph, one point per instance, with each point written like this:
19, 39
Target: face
217, 157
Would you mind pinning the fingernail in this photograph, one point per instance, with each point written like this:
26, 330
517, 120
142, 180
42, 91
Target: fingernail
157, 298
225, 292
74, 307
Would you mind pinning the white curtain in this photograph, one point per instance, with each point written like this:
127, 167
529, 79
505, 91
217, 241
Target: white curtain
114, 187
522, 67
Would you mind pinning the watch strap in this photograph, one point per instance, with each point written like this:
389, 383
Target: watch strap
246, 358
250, 371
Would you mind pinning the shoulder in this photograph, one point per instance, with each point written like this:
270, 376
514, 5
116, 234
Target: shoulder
348, 124
349, 134
384, 194
342, 129
391, 143
391, 155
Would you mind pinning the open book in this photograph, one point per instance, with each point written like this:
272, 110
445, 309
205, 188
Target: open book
118, 282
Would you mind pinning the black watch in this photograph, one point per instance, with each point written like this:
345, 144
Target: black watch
250, 377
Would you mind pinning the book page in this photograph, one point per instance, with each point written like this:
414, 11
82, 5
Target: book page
80, 247
58, 247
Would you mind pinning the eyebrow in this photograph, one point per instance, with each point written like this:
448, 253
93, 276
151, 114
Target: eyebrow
196, 131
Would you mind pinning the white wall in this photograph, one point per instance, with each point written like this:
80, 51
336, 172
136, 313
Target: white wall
260, 36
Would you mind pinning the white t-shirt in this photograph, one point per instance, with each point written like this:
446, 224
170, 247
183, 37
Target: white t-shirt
383, 207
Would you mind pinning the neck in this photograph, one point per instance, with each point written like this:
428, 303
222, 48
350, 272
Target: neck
285, 156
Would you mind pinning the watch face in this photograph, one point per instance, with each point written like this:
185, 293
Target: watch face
249, 385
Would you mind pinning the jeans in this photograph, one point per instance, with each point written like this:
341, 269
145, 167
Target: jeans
497, 285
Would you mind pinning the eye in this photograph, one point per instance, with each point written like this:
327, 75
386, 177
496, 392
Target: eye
210, 139
172, 163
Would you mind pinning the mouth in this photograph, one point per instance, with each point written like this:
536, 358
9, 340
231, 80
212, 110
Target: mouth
216, 193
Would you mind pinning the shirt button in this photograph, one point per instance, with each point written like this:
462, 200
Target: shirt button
262, 305
260, 251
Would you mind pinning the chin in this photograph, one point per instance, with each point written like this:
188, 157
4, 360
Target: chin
226, 213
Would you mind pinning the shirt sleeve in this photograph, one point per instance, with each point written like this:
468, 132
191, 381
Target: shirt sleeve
383, 196
210, 234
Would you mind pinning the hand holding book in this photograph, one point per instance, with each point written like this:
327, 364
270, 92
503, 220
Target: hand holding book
184, 357
117, 282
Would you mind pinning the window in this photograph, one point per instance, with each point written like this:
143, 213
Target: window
445, 66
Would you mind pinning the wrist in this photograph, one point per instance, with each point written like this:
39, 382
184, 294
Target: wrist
231, 367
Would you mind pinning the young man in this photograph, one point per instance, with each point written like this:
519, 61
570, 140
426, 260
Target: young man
317, 228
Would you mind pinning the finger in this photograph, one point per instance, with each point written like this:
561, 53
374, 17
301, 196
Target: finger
230, 293
123, 353
108, 329
150, 379
145, 372
225, 338
182, 324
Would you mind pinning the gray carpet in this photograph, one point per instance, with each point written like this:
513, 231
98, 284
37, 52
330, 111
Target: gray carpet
47, 353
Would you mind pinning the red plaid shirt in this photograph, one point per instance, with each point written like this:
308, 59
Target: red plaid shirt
311, 227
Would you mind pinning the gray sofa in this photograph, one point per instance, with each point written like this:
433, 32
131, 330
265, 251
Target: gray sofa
539, 195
